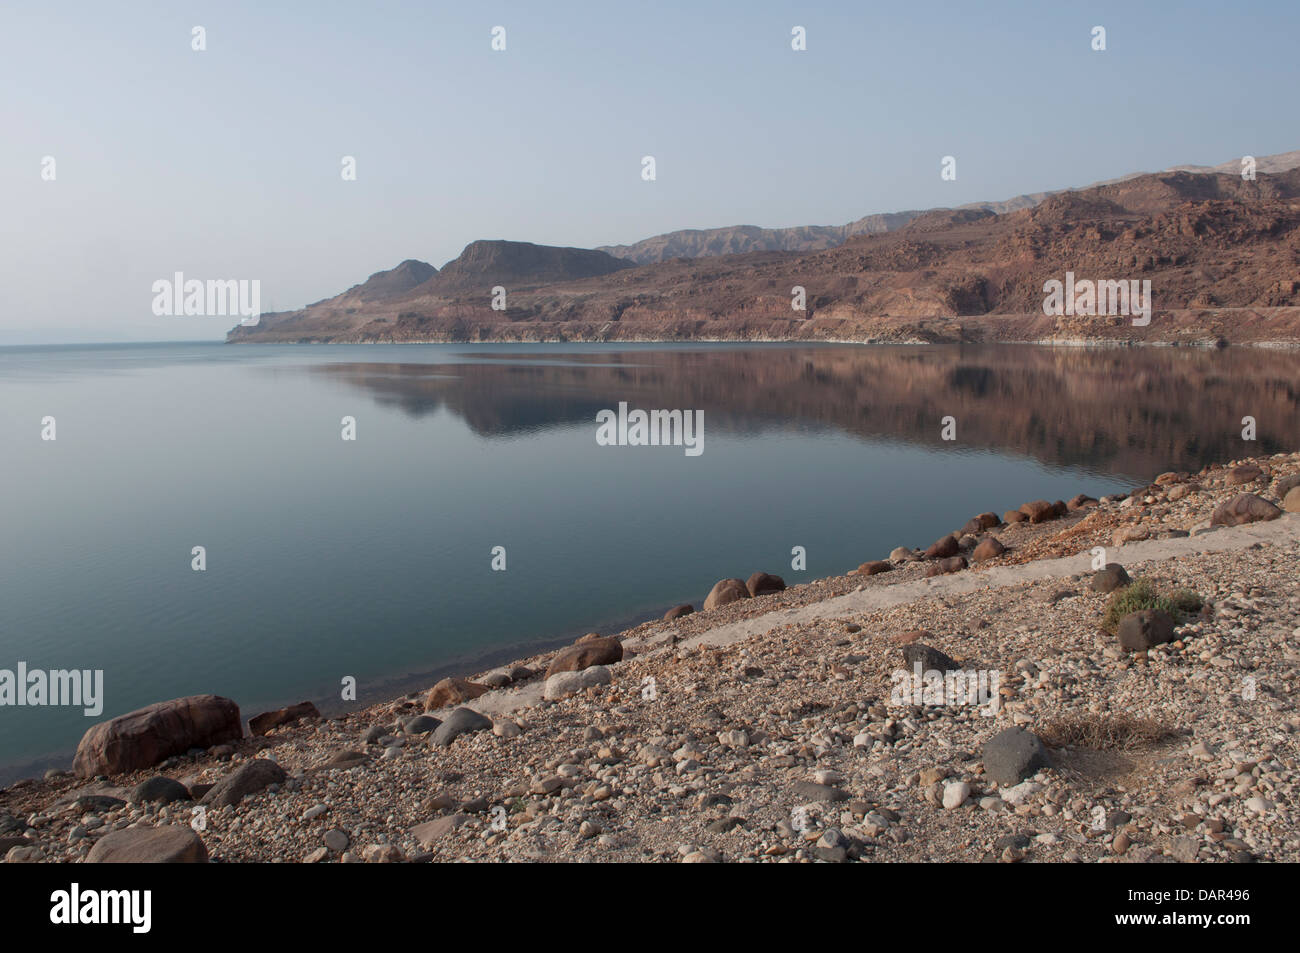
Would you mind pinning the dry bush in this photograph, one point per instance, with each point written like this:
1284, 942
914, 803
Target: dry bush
1115, 732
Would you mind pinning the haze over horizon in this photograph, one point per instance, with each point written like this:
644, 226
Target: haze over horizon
225, 163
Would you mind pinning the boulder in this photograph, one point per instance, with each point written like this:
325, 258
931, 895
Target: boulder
261, 724
168, 844
1109, 579
945, 566
420, 725
248, 778
989, 548
1039, 511
459, 722
762, 583
159, 790
930, 659
942, 548
1291, 503
563, 684
575, 658
1243, 508
153, 734
452, 691
1081, 501
901, 554
676, 612
1014, 516
1014, 754
1285, 485
430, 832
725, 592
1139, 631
875, 567
1240, 476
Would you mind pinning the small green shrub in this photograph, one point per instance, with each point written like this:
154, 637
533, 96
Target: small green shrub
1138, 595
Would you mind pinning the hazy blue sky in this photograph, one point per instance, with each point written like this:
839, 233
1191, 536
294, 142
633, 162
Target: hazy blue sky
226, 163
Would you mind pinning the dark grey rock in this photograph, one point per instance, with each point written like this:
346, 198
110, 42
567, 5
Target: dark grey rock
1139, 631
459, 722
160, 789
247, 779
1109, 579
931, 659
1014, 754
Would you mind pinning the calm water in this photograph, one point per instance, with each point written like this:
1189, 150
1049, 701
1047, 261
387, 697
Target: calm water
372, 558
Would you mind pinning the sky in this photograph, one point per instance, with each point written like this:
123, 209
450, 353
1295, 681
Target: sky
226, 162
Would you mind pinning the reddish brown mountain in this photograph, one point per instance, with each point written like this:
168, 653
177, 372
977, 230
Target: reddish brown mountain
1222, 255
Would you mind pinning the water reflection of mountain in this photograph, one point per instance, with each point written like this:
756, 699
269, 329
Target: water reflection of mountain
1133, 411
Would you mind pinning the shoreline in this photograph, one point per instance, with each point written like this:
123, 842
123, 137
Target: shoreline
1162, 526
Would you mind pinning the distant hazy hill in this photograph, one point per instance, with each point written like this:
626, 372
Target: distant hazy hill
739, 239
519, 265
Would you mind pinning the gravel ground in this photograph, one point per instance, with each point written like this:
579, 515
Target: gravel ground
770, 729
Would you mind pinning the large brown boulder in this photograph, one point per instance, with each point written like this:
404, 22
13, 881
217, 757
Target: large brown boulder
1292, 502
875, 567
1039, 511
586, 654
452, 691
676, 612
1014, 516
1246, 473
724, 592
1243, 508
168, 844
945, 566
143, 738
989, 548
942, 548
762, 583
261, 724
1285, 485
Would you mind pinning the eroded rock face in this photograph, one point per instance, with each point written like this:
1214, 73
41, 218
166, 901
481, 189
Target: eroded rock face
143, 738
1244, 508
600, 651
725, 592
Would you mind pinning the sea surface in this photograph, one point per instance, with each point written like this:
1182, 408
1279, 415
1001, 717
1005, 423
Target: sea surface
373, 558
